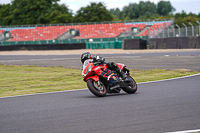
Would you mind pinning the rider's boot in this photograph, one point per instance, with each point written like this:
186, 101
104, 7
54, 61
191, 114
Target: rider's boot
123, 75
113, 66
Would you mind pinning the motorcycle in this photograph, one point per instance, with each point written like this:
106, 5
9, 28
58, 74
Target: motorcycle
114, 83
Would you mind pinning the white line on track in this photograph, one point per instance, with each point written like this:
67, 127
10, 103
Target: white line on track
187, 131
86, 88
42, 93
169, 79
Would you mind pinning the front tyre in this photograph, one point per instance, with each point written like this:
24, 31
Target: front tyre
96, 87
130, 87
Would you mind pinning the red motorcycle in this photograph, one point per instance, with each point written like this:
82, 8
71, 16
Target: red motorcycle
114, 83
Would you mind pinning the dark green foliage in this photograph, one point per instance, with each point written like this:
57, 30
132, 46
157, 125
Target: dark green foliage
117, 13
95, 12
185, 18
164, 8
148, 10
6, 14
21, 12
132, 11
144, 10
34, 12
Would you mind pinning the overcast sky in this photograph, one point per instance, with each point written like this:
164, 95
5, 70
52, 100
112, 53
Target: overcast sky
186, 5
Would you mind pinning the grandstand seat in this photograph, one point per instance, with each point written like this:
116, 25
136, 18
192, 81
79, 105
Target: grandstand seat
86, 31
155, 27
2, 31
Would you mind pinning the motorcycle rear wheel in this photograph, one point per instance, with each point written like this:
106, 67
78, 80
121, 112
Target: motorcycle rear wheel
96, 87
130, 87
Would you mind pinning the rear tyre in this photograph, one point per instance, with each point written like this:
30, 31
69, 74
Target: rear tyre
96, 87
130, 87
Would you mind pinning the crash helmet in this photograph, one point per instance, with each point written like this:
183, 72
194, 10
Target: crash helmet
85, 56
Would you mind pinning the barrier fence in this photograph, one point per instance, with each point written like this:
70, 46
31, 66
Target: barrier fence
68, 41
175, 43
174, 31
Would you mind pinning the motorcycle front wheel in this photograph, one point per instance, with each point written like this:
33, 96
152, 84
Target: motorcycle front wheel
96, 87
130, 87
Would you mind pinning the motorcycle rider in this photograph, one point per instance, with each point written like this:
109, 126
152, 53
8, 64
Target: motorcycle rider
87, 57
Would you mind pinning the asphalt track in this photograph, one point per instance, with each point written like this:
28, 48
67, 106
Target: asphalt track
157, 107
164, 60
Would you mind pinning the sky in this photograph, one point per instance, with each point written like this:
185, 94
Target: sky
186, 5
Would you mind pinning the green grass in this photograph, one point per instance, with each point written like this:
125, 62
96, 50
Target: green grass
21, 80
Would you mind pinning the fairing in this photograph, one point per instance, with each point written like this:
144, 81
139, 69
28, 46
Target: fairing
121, 66
89, 71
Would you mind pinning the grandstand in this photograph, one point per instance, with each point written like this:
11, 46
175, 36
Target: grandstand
86, 31
2, 31
155, 27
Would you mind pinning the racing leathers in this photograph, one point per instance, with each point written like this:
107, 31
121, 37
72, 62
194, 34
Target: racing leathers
111, 65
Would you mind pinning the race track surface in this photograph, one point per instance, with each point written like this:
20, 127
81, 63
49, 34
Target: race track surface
165, 60
157, 107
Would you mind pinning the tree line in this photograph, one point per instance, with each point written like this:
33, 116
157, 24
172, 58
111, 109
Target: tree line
21, 12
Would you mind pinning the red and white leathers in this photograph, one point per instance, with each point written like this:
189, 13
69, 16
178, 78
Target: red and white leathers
102, 73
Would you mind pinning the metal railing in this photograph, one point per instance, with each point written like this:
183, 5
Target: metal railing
175, 31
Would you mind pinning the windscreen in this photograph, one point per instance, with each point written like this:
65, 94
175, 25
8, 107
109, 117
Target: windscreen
86, 68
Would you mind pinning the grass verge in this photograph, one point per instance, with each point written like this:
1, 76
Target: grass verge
21, 80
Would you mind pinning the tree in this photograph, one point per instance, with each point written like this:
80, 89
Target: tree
146, 9
192, 14
135, 11
20, 12
5, 14
59, 14
183, 14
132, 11
116, 12
30, 11
95, 12
34, 12
164, 8
199, 15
